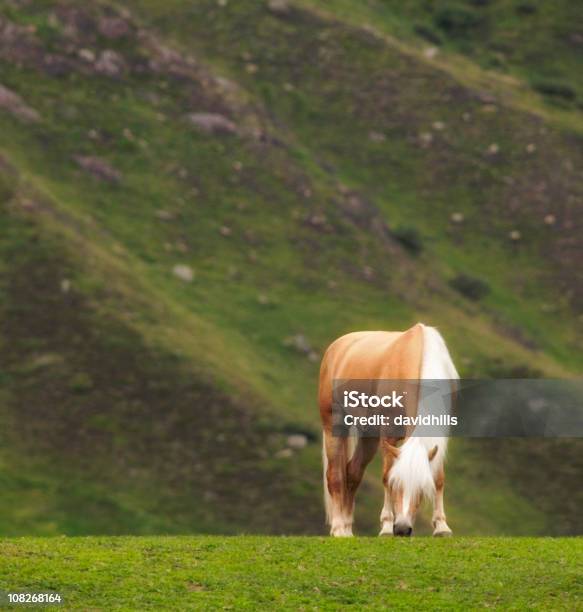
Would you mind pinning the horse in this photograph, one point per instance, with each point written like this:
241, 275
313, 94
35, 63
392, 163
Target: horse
413, 466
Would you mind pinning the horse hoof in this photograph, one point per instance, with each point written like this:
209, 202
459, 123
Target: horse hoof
442, 534
341, 532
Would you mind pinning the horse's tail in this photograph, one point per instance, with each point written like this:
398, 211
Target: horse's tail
420, 458
327, 496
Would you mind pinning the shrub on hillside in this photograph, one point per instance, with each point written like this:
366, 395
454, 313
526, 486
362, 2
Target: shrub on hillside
470, 287
458, 21
526, 8
428, 33
409, 238
556, 89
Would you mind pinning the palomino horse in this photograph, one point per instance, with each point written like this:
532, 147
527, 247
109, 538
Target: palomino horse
410, 471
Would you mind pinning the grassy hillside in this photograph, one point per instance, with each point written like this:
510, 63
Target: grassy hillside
292, 573
169, 280
533, 42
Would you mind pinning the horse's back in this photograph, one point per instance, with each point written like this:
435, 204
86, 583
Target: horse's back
372, 355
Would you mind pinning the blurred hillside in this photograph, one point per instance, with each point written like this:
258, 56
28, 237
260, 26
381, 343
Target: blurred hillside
196, 198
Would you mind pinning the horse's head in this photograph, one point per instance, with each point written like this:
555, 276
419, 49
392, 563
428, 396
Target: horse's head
410, 480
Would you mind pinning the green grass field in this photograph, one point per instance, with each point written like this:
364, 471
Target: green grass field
297, 573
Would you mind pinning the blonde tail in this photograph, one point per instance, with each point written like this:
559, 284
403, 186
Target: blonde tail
327, 498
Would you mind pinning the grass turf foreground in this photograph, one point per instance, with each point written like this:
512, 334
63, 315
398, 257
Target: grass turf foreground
296, 572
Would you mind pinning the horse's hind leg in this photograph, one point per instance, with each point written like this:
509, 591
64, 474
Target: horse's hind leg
335, 493
364, 451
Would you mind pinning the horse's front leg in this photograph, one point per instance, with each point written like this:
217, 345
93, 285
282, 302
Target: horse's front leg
387, 517
440, 526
